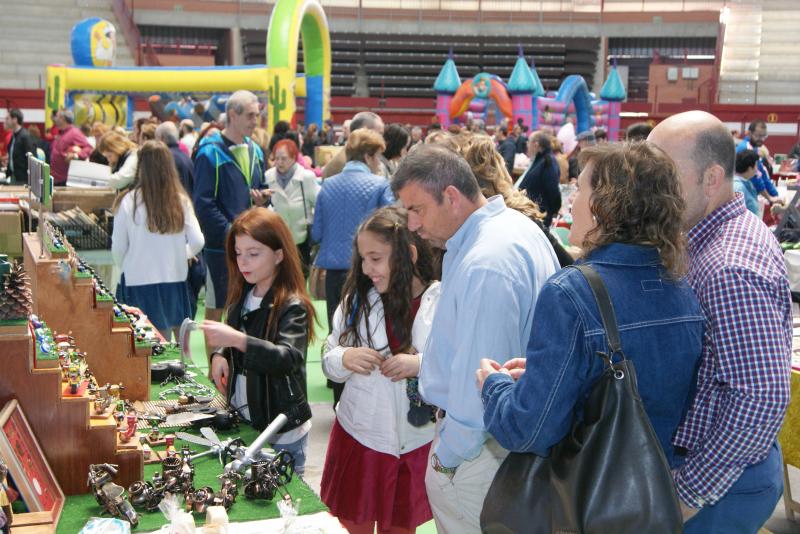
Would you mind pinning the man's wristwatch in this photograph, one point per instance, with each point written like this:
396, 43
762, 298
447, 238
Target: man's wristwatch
437, 466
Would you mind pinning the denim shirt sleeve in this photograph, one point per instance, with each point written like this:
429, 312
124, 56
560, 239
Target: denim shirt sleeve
537, 411
319, 215
488, 328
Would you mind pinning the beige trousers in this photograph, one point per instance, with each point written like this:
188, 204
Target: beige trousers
456, 503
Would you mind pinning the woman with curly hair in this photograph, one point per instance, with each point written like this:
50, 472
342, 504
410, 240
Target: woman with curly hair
627, 218
489, 168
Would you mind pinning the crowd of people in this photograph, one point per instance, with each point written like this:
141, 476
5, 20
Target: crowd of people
456, 331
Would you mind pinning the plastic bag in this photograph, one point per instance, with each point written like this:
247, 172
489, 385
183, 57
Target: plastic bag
106, 525
180, 521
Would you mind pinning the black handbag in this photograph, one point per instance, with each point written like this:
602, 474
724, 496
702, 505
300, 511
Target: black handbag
607, 476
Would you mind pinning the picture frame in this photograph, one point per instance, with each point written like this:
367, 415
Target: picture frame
28, 468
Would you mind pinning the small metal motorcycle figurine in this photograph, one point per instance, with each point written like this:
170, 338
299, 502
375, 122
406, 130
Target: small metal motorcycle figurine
109, 495
268, 476
145, 495
198, 501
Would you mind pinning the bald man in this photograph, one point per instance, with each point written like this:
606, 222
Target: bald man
363, 119
732, 475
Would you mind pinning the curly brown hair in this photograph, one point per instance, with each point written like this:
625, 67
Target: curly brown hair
489, 168
636, 198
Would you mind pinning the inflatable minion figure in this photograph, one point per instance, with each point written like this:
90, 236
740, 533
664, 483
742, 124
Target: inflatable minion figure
94, 43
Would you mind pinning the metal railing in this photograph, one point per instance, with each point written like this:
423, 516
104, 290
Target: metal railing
128, 27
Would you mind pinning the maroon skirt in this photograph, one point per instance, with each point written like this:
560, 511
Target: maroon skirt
362, 485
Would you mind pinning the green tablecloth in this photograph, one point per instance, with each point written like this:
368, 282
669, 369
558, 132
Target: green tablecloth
78, 509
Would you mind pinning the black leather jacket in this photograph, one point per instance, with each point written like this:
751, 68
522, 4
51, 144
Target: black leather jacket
274, 363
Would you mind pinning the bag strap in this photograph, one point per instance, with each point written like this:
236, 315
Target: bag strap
303, 192
604, 305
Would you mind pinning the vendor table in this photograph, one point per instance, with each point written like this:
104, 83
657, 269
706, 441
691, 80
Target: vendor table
78, 509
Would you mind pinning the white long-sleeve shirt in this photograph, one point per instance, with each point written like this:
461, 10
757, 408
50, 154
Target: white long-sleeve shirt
150, 258
127, 173
373, 409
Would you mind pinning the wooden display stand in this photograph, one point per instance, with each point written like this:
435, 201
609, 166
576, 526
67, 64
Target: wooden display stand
67, 304
71, 441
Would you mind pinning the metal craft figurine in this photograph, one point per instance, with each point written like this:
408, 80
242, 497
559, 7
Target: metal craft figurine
74, 377
106, 396
229, 489
119, 413
216, 447
145, 495
244, 457
199, 500
109, 495
178, 473
154, 420
170, 439
130, 431
267, 477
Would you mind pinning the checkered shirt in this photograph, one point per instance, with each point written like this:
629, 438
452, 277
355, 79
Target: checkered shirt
738, 274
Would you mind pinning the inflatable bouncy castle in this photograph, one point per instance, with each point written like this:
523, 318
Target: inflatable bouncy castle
93, 80
524, 99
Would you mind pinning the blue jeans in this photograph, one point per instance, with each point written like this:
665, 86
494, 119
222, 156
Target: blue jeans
298, 451
748, 504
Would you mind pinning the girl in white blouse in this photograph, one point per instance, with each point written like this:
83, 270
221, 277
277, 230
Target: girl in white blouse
155, 235
378, 449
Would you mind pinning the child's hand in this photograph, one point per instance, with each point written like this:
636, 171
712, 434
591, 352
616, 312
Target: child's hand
222, 335
219, 373
361, 360
401, 366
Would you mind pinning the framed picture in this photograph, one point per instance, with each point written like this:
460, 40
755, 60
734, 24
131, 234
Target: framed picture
28, 467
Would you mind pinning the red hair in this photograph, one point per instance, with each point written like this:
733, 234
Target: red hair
289, 145
268, 228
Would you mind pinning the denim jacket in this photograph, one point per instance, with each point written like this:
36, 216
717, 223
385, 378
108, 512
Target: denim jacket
661, 327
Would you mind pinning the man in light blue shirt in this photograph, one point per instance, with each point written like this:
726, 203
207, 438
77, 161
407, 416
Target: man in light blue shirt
495, 263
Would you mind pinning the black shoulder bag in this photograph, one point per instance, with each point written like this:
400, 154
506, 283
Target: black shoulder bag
607, 476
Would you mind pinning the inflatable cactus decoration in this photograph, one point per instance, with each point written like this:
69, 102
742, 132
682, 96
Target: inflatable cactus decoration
15, 298
51, 101
277, 100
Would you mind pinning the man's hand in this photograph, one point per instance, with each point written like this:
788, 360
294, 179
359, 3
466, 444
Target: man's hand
361, 360
400, 366
222, 335
260, 196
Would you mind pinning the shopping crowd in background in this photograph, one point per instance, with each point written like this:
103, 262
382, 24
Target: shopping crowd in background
457, 330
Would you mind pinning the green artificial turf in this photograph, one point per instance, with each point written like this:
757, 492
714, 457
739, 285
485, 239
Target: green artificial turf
78, 509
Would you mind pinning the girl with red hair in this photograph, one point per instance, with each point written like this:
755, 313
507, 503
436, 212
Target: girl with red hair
260, 362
